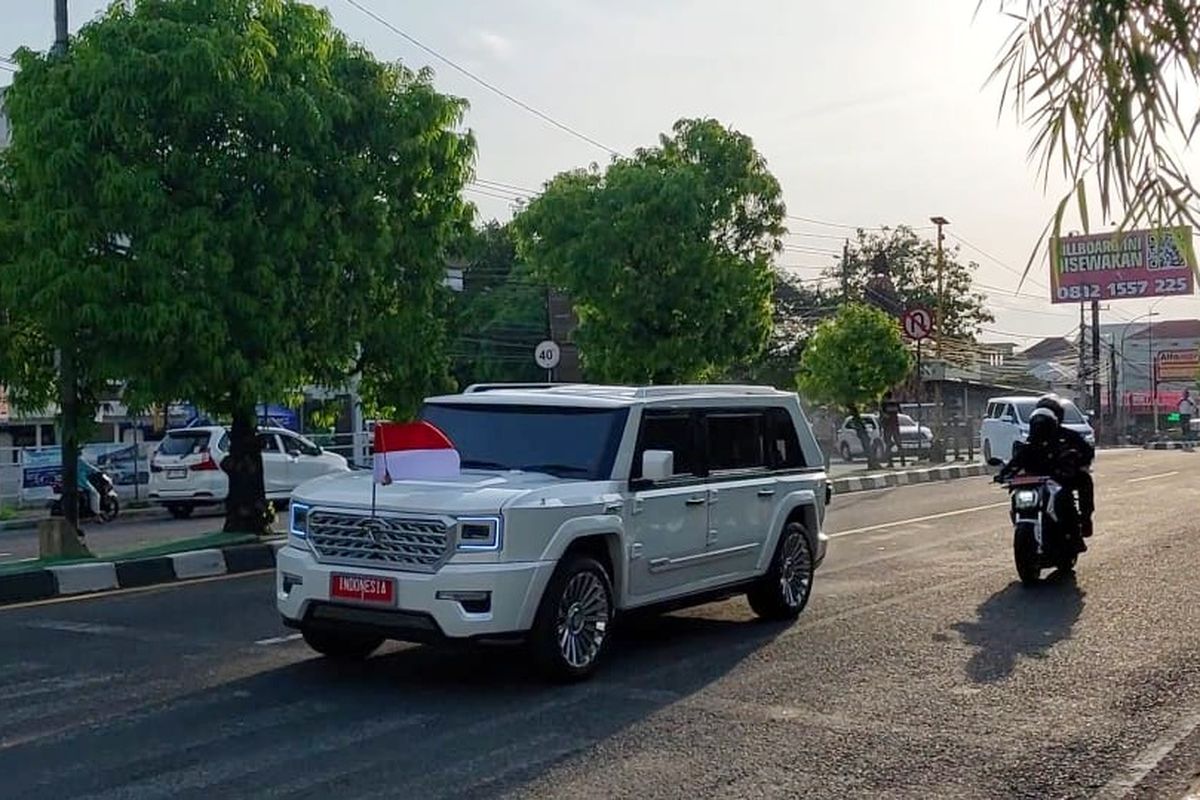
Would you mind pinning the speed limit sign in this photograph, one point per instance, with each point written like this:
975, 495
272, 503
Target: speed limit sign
547, 354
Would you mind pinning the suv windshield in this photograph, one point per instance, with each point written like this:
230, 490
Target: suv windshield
184, 443
1071, 414
565, 442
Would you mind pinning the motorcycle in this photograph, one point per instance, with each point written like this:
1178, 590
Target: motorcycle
100, 504
1046, 524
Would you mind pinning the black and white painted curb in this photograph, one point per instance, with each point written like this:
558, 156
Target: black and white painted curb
887, 480
103, 576
1189, 446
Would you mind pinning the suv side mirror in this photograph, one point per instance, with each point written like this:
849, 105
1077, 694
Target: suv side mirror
658, 465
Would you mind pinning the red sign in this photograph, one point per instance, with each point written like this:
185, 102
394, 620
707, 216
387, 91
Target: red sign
1134, 265
1143, 402
362, 589
917, 323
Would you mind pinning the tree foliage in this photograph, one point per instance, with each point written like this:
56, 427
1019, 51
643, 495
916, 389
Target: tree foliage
912, 264
231, 200
851, 360
1109, 90
500, 315
665, 254
797, 308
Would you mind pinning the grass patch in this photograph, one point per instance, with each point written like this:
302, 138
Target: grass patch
204, 542
7, 513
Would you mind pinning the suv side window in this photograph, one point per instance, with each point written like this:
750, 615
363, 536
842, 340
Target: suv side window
674, 431
783, 444
735, 441
296, 444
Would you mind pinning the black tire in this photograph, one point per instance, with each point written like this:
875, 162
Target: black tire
1025, 555
783, 592
179, 511
846, 455
109, 510
341, 646
574, 620
987, 451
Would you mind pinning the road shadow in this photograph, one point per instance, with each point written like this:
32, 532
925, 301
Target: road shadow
1020, 622
424, 722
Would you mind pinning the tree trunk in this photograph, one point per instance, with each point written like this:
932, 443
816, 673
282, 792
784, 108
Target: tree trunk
860, 428
246, 509
69, 447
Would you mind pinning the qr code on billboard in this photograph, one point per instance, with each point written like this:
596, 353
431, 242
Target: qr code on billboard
1164, 252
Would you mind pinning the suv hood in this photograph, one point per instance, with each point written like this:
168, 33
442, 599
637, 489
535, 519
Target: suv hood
473, 492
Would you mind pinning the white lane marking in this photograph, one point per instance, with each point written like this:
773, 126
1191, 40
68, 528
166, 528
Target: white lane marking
1153, 477
5, 555
1148, 760
291, 637
916, 520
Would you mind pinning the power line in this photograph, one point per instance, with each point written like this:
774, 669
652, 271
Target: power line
485, 84
9, 68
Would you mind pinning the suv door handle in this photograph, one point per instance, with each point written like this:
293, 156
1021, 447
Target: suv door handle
696, 501
766, 492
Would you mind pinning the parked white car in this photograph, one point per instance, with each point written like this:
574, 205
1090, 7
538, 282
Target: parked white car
1007, 421
574, 504
185, 469
915, 439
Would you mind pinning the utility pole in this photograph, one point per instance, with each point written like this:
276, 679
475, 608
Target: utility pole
1096, 358
846, 272
1081, 379
940, 321
68, 376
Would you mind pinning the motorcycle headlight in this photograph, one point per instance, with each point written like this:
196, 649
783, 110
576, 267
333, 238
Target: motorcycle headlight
1025, 499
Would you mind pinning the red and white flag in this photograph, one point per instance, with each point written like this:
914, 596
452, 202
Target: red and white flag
413, 451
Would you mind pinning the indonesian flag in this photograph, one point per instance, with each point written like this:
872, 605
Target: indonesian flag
413, 451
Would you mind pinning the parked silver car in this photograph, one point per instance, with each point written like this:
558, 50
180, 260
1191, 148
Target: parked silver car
915, 439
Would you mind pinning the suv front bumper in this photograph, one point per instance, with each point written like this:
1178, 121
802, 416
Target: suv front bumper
418, 613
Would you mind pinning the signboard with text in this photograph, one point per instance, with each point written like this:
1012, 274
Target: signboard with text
1178, 365
1136, 264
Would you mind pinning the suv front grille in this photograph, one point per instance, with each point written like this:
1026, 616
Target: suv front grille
410, 543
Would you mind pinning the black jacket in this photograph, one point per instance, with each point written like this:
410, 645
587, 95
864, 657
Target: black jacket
1061, 458
1073, 440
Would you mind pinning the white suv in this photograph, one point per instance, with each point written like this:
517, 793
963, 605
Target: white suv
574, 504
1007, 421
185, 469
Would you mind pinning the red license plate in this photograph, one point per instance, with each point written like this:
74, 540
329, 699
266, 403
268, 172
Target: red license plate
362, 589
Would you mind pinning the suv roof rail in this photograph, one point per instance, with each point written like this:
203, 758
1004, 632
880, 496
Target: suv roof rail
489, 387
709, 389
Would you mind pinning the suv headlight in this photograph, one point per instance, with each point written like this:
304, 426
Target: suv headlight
480, 533
1025, 499
298, 520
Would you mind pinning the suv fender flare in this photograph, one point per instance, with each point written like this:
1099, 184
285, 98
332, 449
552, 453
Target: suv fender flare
803, 503
608, 526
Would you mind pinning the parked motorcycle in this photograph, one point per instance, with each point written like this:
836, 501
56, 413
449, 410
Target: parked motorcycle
101, 504
1046, 524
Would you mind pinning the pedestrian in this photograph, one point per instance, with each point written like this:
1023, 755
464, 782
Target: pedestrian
889, 421
1187, 410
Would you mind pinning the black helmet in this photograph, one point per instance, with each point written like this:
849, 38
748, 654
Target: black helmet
1043, 425
1053, 403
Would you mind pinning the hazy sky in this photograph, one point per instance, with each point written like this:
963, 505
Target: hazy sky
871, 112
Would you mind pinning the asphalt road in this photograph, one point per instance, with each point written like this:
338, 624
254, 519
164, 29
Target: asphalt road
921, 669
121, 535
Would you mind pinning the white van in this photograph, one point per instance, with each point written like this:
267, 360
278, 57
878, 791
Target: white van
1007, 421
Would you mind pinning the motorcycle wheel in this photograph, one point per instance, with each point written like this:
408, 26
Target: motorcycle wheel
1025, 554
109, 511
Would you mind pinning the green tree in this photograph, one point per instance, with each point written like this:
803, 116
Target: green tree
500, 315
797, 308
912, 264
1109, 90
665, 254
226, 200
851, 360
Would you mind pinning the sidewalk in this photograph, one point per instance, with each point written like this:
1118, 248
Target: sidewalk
27, 519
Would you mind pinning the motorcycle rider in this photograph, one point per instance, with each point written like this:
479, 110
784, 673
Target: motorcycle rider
1047, 453
1081, 483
